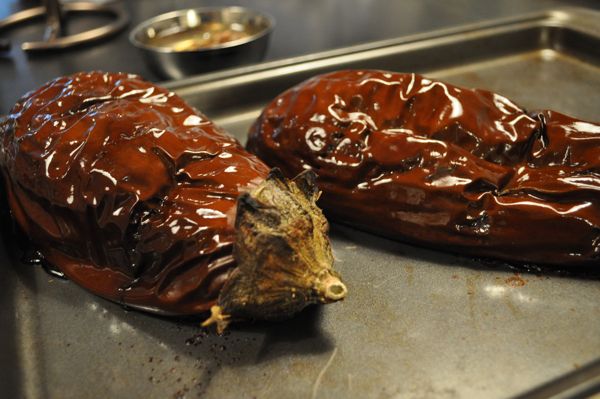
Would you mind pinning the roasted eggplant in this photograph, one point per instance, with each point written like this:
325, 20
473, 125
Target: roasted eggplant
424, 161
139, 198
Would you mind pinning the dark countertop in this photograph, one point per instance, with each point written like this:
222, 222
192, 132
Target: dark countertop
303, 26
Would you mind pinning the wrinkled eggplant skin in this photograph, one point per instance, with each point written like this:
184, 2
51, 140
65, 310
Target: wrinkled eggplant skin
126, 189
428, 162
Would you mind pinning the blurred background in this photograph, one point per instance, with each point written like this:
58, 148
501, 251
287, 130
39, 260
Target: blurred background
302, 27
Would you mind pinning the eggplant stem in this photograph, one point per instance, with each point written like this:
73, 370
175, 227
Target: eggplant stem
284, 258
332, 289
217, 317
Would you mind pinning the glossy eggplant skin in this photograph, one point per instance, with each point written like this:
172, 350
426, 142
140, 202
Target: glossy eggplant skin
126, 189
421, 160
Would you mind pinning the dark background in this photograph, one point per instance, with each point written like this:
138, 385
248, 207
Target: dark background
303, 26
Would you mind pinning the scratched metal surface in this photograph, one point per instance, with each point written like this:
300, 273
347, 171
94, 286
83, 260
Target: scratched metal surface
417, 323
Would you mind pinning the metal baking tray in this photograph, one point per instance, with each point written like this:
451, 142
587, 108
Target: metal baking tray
417, 323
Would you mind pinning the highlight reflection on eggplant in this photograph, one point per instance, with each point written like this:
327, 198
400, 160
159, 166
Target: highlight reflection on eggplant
421, 160
141, 199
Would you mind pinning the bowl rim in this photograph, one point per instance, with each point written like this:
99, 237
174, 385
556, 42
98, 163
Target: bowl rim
199, 10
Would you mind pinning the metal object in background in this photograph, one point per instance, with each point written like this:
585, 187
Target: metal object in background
417, 323
56, 15
170, 62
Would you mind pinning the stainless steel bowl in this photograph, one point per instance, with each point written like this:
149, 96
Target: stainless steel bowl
187, 42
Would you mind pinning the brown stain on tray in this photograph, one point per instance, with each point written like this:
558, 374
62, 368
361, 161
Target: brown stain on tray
471, 283
516, 281
511, 306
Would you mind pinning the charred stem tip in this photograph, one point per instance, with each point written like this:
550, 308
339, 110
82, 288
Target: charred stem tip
332, 289
217, 317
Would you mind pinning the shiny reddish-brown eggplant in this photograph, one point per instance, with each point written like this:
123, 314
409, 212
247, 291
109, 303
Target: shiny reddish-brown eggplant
140, 198
418, 159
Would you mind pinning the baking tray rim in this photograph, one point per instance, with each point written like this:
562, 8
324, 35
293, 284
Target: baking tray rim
578, 19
